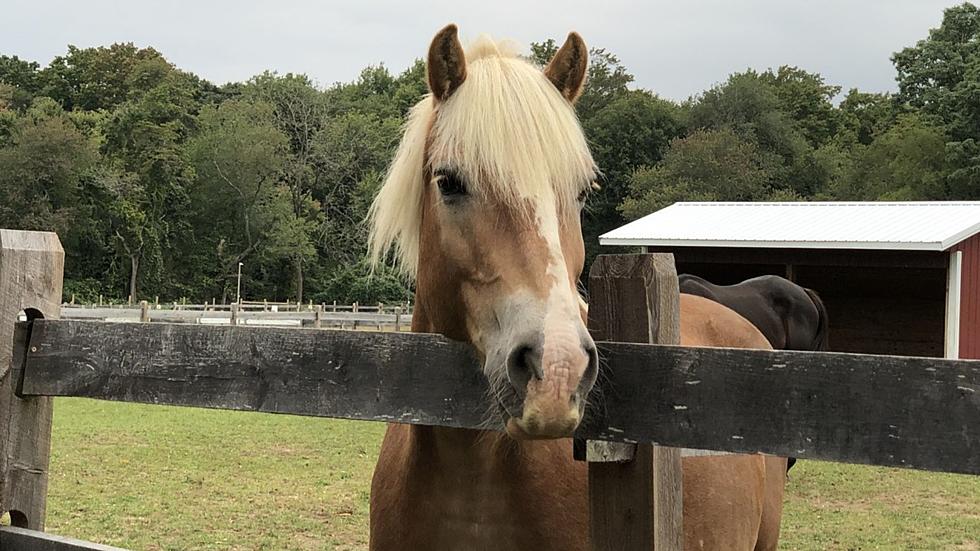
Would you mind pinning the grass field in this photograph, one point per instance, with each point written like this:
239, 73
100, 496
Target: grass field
149, 477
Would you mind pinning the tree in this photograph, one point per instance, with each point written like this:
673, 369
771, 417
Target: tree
348, 150
22, 80
41, 168
941, 77
930, 71
144, 141
237, 197
806, 98
299, 110
708, 165
865, 115
761, 108
748, 105
905, 163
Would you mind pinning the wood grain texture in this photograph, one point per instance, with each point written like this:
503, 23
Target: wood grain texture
408, 377
635, 491
880, 410
20, 539
31, 268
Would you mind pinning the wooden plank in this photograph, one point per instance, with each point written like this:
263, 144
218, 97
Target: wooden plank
879, 410
31, 267
635, 493
885, 410
408, 377
22, 539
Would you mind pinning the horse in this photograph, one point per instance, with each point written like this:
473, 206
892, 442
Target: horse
790, 316
482, 206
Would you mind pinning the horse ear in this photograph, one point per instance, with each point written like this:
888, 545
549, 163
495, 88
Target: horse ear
447, 63
568, 68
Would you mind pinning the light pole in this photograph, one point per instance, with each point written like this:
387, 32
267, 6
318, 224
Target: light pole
239, 293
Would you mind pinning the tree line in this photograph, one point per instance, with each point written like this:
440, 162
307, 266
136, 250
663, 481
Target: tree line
160, 183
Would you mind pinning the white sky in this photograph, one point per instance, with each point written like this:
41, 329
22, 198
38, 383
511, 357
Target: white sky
675, 48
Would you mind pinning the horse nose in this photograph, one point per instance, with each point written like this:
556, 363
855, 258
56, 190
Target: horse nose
525, 362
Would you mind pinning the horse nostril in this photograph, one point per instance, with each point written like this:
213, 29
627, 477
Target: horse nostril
591, 370
523, 363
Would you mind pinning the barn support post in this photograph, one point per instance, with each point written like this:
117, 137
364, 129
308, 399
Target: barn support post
954, 279
635, 493
31, 271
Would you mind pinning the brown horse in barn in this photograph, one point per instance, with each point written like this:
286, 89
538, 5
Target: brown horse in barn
790, 316
482, 206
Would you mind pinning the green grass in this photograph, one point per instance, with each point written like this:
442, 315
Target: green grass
150, 477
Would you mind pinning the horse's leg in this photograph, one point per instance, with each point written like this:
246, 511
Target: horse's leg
772, 508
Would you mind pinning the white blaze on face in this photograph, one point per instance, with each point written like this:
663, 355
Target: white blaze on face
564, 359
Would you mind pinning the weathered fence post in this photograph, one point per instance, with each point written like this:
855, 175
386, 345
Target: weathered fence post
144, 311
31, 271
318, 316
234, 313
635, 493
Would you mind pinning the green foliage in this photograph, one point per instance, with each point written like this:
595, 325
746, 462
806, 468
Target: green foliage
708, 165
102, 78
355, 283
905, 163
806, 98
931, 71
865, 115
41, 166
940, 76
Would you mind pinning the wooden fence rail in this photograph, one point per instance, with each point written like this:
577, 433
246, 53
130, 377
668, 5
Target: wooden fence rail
882, 410
349, 320
919, 413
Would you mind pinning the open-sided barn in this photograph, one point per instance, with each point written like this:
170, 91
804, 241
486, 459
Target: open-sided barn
896, 277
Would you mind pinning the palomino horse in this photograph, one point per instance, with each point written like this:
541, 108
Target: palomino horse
790, 316
482, 206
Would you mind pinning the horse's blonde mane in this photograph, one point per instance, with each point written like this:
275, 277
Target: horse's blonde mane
506, 128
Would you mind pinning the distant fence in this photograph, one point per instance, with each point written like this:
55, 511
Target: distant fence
252, 305
380, 318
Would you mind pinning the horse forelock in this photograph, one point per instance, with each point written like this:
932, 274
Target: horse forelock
507, 129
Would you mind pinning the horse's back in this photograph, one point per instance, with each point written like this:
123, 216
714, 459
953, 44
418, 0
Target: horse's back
705, 322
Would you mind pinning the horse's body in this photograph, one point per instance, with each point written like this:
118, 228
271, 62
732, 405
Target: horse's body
480, 206
442, 488
790, 316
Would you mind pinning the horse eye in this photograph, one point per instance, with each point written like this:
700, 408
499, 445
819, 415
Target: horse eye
450, 184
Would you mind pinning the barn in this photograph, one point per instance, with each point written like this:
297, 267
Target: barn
896, 277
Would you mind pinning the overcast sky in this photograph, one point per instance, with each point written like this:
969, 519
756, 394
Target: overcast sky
676, 48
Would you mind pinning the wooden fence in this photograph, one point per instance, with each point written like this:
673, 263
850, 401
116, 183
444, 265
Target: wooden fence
248, 305
911, 412
393, 318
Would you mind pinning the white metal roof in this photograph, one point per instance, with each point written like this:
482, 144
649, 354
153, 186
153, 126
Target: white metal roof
926, 226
